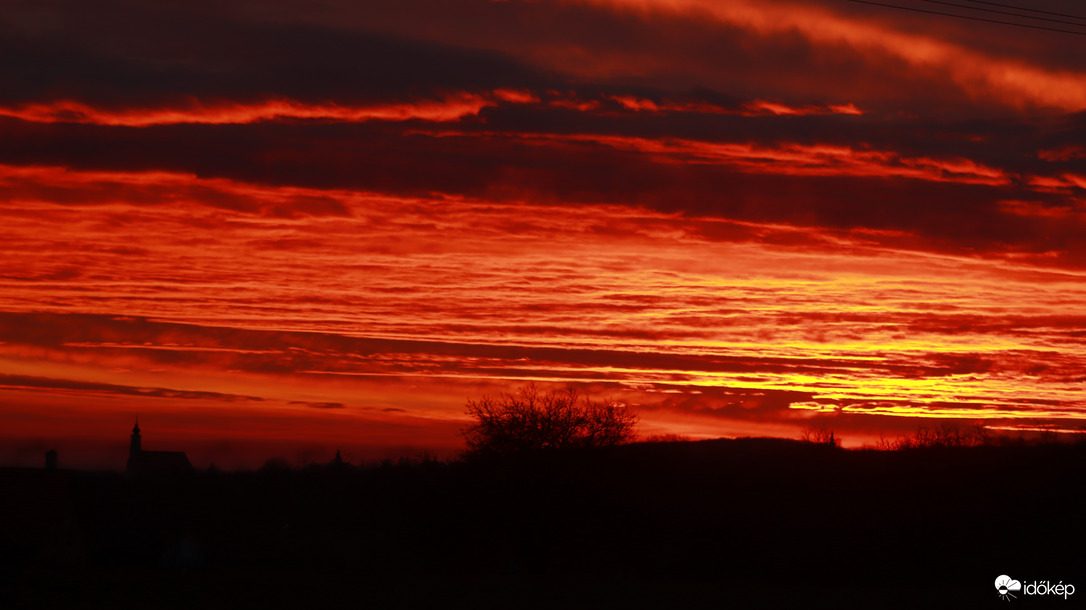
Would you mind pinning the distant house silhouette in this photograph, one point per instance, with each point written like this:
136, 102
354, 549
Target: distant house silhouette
141, 461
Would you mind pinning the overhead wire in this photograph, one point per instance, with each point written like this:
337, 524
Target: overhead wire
1031, 10
991, 10
970, 17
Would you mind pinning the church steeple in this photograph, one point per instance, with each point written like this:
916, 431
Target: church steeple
134, 444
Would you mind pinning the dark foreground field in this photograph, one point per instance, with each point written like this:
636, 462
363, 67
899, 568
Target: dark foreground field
715, 524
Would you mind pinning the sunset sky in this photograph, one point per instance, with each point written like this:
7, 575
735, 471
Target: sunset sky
282, 228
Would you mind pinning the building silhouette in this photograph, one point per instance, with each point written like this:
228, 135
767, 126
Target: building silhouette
141, 461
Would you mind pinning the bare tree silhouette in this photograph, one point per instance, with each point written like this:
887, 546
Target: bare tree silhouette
821, 436
533, 420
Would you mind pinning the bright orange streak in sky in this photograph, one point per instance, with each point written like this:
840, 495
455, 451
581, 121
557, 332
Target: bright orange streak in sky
755, 108
452, 108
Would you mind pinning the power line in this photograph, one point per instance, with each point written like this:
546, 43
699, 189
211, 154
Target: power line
991, 10
920, 10
1031, 10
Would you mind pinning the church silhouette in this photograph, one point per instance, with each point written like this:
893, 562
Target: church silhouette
141, 461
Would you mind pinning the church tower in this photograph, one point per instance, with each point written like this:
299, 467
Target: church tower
134, 444
142, 462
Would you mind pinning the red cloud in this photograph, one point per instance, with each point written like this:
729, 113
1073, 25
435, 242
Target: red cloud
451, 108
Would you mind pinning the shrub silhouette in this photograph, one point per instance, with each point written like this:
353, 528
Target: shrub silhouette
943, 436
532, 420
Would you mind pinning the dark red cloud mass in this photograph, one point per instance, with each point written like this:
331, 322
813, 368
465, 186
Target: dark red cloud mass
330, 223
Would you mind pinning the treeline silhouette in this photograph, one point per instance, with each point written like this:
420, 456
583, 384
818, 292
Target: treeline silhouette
750, 522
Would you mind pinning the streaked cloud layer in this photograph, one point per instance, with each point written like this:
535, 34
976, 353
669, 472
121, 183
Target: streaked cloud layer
740, 218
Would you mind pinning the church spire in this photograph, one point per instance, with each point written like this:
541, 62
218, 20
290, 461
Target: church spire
134, 444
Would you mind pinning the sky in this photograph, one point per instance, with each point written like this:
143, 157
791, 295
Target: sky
283, 228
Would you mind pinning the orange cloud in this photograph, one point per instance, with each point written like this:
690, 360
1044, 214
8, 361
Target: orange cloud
791, 159
411, 269
1012, 82
759, 107
755, 108
1063, 153
452, 108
